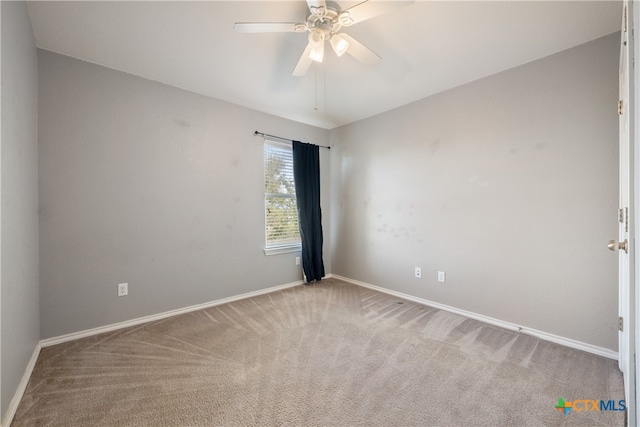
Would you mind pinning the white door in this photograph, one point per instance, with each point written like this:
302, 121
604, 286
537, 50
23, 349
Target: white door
624, 244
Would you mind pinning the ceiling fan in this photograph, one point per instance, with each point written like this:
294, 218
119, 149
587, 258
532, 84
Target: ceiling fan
324, 23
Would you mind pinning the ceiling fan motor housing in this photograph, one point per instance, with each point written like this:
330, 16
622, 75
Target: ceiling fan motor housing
325, 19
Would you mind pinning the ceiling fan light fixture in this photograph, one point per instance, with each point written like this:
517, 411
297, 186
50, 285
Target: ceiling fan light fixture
316, 37
317, 53
316, 41
339, 43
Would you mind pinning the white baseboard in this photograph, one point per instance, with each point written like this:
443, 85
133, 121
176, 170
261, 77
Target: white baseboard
568, 342
133, 322
22, 386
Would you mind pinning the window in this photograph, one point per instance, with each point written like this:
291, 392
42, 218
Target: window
281, 211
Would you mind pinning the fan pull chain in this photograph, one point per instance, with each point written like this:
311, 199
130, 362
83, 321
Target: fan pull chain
324, 89
315, 88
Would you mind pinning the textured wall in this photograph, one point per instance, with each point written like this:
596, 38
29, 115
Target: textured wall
508, 184
20, 329
151, 185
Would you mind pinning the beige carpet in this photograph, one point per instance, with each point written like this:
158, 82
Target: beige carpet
326, 354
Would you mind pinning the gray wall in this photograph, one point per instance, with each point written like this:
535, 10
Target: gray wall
151, 185
20, 330
508, 184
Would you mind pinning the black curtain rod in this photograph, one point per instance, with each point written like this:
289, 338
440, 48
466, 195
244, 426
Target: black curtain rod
286, 139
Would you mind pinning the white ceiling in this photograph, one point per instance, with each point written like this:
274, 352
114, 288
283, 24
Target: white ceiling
426, 47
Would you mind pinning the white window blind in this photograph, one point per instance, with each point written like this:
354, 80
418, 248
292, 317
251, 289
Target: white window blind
281, 210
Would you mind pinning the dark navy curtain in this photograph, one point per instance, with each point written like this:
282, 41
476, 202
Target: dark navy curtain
306, 174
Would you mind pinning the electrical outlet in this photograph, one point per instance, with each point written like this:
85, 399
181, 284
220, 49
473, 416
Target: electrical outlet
297, 260
441, 276
123, 289
418, 273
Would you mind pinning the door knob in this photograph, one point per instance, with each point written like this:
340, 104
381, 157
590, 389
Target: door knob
614, 245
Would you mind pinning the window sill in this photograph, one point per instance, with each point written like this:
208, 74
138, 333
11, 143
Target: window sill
283, 249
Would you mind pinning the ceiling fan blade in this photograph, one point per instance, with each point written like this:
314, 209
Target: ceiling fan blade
361, 52
317, 7
303, 63
369, 9
269, 27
